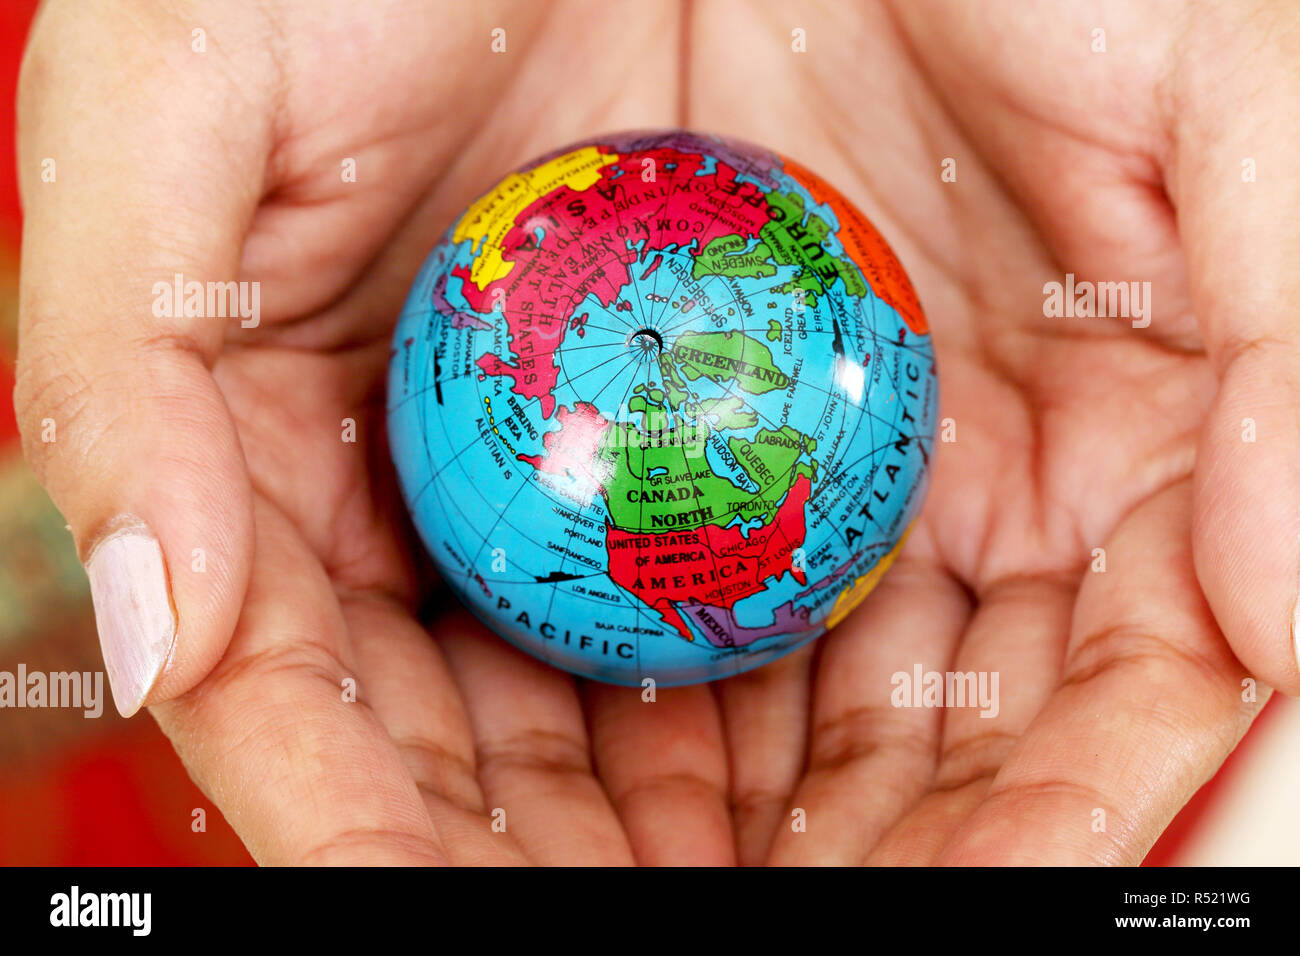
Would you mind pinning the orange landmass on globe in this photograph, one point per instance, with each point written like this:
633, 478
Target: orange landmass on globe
867, 247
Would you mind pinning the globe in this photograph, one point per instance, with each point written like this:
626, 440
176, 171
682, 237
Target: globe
662, 406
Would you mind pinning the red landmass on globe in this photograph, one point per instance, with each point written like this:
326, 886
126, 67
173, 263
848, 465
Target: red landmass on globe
575, 448
585, 250
708, 565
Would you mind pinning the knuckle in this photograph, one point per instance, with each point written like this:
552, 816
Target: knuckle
538, 750
50, 390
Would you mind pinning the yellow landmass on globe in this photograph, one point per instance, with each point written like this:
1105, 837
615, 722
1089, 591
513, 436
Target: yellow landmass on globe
855, 592
488, 220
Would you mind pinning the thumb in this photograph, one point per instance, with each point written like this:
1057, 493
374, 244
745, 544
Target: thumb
120, 416
1234, 186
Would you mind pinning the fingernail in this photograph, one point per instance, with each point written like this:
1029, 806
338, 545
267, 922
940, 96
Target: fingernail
133, 611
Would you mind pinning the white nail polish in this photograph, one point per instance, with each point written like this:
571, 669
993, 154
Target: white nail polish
133, 611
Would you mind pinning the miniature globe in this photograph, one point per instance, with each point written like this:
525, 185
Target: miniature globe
662, 405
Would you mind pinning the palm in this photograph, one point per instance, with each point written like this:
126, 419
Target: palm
1048, 464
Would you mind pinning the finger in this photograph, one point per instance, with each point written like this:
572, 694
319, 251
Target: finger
532, 751
870, 759
1006, 669
119, 415
921, 835
1242, 240
303, 774
664, 764
1150, 706
765, 714
407, 683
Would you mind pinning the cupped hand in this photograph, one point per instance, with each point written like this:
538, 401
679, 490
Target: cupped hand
249, 563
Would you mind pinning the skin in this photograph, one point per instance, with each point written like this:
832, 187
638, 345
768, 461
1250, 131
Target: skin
1120, 692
